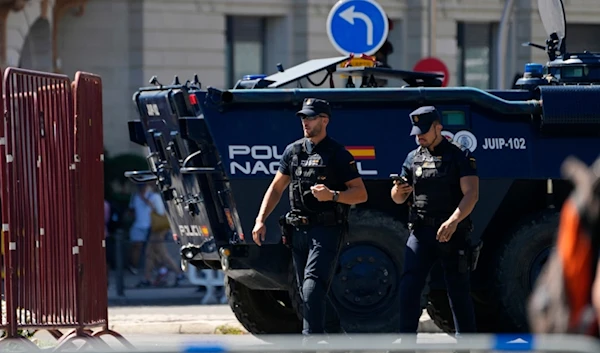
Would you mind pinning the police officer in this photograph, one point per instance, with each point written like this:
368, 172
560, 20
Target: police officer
442, 179
323, 182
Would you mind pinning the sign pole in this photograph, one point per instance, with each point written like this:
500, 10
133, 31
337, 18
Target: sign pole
432, 27
502, 43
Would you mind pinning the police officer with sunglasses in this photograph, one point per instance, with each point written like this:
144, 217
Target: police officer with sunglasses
323, 182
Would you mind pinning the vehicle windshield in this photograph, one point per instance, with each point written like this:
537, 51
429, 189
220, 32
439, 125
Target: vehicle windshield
577, 72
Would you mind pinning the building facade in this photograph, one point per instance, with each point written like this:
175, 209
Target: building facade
129, 41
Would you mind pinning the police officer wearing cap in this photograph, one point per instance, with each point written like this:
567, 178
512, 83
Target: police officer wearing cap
323, 183
442, 179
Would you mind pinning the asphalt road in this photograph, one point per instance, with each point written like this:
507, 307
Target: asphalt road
169, 342
156, 341
177, 342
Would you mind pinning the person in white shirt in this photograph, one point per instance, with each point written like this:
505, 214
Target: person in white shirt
140, 229
156, 254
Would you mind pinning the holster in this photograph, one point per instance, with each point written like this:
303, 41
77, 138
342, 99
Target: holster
474, 252
469, 258
287, 231
463, 261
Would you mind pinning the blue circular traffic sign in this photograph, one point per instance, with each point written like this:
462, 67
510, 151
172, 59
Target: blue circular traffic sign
357, 26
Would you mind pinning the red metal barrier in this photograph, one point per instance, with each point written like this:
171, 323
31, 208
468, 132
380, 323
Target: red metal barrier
51, 175
89, 213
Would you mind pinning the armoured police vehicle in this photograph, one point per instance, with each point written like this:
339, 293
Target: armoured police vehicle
213, 153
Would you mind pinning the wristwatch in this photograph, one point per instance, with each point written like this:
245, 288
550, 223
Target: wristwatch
336, 196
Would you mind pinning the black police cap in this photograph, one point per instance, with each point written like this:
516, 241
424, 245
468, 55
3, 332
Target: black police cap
313, 107
422, 118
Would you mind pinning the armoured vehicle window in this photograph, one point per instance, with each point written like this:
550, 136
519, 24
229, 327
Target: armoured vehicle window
454, 118
586, 73
574, 71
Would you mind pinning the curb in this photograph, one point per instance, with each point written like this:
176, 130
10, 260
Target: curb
132, 301
209, 327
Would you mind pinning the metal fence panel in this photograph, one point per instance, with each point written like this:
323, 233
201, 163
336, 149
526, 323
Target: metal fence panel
89, 196
37, 200
51, 176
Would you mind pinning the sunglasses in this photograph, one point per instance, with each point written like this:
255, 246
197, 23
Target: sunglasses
311, 118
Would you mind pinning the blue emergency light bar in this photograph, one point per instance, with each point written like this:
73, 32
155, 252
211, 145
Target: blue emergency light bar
534, 68
253, 77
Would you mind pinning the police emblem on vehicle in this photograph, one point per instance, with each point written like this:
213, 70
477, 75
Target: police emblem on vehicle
466, 139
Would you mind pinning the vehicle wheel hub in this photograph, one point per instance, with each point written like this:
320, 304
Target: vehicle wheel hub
366, 278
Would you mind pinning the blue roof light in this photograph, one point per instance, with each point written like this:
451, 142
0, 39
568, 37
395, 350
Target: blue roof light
534, 68
253, 77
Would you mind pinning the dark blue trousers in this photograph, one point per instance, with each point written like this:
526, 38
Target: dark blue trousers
422, 251
314, 251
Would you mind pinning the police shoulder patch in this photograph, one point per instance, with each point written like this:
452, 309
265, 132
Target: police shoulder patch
472, 162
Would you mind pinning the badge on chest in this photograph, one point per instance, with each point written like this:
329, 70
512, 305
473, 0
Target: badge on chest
312, 162
428, 164
310, 167
419, 171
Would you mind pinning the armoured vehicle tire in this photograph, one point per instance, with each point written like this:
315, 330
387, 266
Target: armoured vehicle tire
375, 251
519, 263
262, 311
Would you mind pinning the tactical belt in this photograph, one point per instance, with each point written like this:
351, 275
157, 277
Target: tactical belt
325, 218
